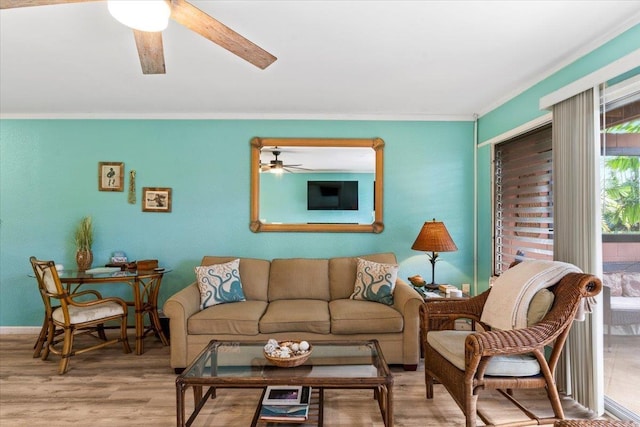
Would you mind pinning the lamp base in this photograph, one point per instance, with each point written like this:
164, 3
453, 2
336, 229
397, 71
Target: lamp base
431, 286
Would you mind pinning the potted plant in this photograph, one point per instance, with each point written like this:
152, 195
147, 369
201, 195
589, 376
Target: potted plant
84, 239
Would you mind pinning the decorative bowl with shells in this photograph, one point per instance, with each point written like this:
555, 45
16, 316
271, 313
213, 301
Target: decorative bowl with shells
287, 354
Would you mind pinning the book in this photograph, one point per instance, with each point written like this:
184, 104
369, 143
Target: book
287, 404
284, 413
443, 288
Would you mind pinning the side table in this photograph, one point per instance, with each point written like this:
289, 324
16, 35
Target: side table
435, 295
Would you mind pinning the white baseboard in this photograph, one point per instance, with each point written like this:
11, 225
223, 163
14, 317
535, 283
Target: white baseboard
13, 330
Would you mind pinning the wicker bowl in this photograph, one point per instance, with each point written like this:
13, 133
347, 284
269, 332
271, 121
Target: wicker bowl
289, 362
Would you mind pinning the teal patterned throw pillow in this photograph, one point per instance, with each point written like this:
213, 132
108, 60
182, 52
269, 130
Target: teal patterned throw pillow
375, 281
219, 283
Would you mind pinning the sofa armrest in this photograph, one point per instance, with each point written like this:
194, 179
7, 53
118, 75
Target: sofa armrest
403, 295
408, 301
178, 309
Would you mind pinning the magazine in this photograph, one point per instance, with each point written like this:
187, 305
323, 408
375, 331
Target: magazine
286, 395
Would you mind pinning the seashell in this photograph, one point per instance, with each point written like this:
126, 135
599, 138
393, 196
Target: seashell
273, 341
285, 350
304, 346
295, 346
269, 348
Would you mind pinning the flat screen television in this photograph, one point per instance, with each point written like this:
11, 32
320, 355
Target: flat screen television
332, 195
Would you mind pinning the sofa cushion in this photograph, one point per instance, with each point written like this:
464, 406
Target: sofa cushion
240, 318
299, 278
254, 274
219, 283
375, 281
363, 317
298, 315
450, 344
631, 284
614, 282
342, 272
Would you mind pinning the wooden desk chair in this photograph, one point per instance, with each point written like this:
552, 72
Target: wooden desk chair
73, 317
475, 366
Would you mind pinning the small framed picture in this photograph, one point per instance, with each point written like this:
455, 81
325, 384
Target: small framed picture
156, 199
111, 176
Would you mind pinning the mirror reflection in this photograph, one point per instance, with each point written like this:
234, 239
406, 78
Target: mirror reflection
316, 185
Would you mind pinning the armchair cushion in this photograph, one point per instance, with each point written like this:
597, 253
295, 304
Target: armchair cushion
540, 305
219, 283
450, 344
89, 313
631, 285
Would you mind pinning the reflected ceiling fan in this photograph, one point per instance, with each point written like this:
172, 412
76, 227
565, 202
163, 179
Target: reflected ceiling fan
148, 35
278, 166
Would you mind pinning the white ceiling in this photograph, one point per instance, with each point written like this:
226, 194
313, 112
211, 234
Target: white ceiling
414, 60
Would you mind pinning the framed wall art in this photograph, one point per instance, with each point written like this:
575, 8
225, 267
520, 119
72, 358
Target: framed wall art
111, 176
155, 199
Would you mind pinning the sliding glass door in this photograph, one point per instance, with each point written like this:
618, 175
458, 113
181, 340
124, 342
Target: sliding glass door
620, 174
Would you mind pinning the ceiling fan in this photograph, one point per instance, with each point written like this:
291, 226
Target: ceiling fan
278, 166
149, 39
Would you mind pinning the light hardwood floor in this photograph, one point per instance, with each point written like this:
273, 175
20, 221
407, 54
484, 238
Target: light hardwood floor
109, 388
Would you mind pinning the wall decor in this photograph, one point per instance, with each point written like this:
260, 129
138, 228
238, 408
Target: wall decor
110, 176
155, 199
358, 155
131, 198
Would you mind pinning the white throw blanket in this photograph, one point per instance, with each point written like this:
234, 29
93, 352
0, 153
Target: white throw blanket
507, 304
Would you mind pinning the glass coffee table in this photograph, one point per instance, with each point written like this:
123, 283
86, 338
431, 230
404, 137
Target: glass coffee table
334, 365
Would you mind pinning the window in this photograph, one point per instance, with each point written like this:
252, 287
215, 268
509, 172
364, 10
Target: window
523, 210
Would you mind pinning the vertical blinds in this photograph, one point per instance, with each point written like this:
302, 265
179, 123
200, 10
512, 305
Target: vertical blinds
523, 199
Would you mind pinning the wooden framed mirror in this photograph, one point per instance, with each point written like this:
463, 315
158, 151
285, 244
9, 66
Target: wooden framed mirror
346, 175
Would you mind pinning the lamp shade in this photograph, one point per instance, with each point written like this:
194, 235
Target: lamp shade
146, 15
434, 237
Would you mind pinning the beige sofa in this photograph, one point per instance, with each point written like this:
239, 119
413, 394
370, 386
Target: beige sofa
297, 298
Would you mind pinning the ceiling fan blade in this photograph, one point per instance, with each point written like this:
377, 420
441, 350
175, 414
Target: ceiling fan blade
11, 4
196, 20
150, 52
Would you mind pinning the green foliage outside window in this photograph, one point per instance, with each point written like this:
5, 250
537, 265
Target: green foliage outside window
621, 198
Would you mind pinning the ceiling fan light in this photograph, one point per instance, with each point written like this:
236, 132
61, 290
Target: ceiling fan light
146, 15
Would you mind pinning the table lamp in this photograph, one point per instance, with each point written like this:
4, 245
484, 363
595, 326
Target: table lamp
434, 238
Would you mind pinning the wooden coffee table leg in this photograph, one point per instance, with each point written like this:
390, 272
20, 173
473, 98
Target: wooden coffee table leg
321, 407
389, 404
180, 411
197, 394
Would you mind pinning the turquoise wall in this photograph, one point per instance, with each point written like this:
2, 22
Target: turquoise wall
523, 109
49, 180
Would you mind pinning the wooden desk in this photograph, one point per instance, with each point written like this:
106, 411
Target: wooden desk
145, 286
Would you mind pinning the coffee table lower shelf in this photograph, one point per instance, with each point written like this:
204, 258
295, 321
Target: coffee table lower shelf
316, 412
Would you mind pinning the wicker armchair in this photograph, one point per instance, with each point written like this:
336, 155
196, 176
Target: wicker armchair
74, 316
481, 347
595, 423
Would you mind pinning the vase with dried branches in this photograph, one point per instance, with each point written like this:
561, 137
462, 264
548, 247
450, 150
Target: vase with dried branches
84, 239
